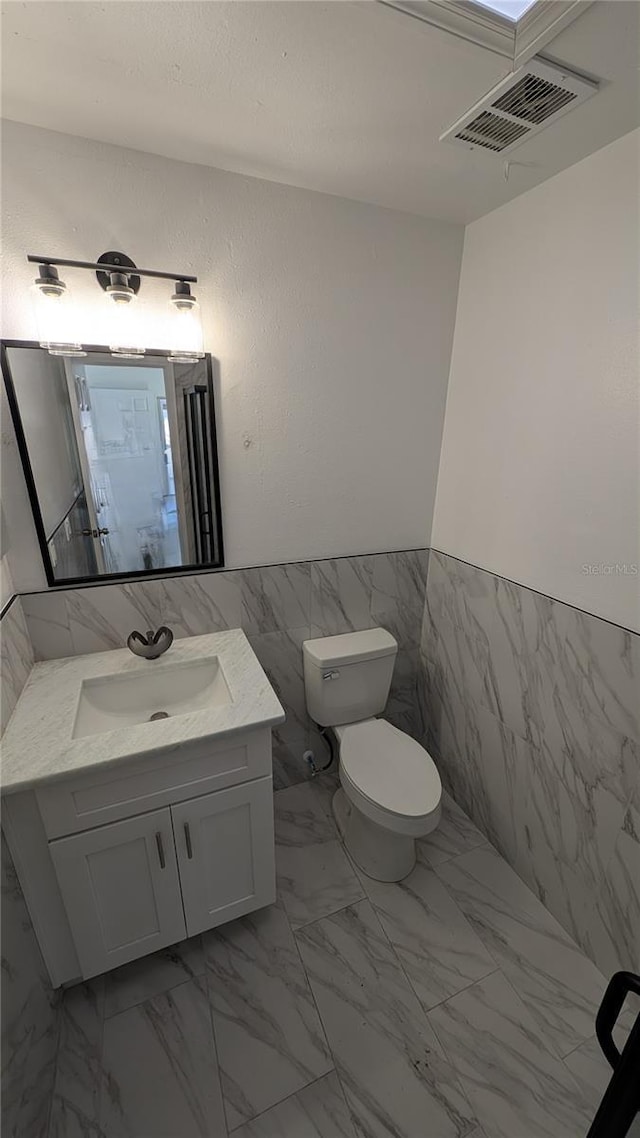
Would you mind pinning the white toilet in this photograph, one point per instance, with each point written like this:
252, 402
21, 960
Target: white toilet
390, 789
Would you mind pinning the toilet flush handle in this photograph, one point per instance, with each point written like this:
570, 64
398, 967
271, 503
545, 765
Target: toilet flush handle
330, 675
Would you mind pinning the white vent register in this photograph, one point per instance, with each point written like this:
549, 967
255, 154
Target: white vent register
521, 105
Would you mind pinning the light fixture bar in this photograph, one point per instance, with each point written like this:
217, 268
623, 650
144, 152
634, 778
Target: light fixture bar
101, 267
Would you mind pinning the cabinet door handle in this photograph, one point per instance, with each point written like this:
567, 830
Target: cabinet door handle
187, 838
160, 850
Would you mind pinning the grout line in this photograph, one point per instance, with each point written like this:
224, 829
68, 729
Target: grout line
454, 1073
472, 984
316, 1079
54, 1081
204, 570
287, 1098
101, 1064
215, 1040
401, 965
207, 990
5, 609
355, 1127
590, 1039
531, 589
311, 991
153, 995
325, 916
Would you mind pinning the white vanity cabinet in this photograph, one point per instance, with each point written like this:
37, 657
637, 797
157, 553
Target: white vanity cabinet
121, 890
225, 854
140, 856
129, 832
132, 887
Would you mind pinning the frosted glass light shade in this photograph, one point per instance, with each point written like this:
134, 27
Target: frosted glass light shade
56, 321
126, 330
187, 342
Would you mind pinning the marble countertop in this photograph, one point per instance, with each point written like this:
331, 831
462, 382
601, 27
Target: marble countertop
38, 744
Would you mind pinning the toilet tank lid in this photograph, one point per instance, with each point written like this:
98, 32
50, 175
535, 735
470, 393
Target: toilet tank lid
350, 647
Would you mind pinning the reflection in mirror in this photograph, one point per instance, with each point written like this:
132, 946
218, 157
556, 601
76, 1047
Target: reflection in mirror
120, 459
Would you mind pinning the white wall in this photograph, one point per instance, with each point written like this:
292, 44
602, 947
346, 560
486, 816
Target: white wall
539, 470
332, 321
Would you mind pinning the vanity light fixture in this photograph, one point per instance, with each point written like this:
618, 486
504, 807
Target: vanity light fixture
187, 327
53, 307
120, 279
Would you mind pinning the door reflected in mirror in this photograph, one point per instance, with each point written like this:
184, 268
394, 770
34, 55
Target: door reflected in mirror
120, 459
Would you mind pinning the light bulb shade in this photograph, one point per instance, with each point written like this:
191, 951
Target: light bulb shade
126, 331
187, 344
119, 290
56, 321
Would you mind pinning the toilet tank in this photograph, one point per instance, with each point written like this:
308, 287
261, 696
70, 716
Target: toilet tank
347, 678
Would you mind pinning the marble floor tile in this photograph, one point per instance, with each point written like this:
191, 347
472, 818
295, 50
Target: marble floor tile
40, 1064
559, 986
314, 875
269, 1038
160, 1077
591, 1071
396, 1080
318, 1111
454, 835
515, 1086
30, 1014
133, 983
439, 951
75, 1108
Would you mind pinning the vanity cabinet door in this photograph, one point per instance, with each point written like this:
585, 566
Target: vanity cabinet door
226, 853
121, 890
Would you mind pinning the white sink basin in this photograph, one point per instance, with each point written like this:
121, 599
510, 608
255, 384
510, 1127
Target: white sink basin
108, 703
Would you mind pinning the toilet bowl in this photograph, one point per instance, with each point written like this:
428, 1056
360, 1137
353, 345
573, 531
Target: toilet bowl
390, 795
390, 790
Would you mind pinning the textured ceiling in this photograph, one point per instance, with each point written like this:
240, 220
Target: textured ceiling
348, 98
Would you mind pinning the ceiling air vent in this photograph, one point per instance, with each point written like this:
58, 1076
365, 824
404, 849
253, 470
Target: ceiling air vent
519, 107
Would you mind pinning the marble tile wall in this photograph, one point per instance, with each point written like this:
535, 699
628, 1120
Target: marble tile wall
278, 607
16, 658
531, 709
29, 1005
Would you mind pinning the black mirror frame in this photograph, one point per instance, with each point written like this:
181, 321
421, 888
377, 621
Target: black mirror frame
104, 578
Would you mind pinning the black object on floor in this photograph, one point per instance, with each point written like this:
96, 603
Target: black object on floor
621, 1100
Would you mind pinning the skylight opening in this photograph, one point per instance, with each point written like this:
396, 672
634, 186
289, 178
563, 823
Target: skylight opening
514, 10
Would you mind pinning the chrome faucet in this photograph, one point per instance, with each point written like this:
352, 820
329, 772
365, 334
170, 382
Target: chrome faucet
152, 645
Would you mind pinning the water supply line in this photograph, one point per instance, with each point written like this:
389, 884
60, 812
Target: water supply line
329, 737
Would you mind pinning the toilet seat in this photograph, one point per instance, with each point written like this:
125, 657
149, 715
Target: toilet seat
389, 776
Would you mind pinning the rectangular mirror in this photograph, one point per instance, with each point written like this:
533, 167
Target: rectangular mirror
120, 460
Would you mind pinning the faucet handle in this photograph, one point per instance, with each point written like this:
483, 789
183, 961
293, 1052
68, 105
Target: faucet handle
152, 645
